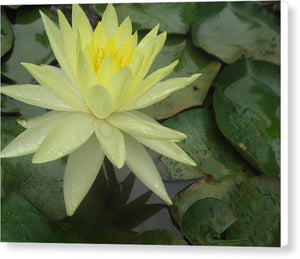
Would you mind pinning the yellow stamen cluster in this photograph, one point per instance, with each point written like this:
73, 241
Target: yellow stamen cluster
120, 57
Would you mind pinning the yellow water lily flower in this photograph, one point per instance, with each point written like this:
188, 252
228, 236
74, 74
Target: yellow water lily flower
103, 77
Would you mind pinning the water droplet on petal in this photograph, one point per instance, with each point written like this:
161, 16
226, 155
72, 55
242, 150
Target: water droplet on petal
106, 130
82, 134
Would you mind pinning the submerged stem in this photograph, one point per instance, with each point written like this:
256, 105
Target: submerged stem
112, 181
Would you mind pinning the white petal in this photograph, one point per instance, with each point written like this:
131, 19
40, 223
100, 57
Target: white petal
57, 84
29, 140
99, 101
148, 83
118, 84
35, 95
57, 45
69, 40
135, 125
123, 32
144, 43
111, 141
142, 63
110, 21
167, 148
141, 164
26, 123
81, 171
81, 24
161, 91
65, 137
86, 76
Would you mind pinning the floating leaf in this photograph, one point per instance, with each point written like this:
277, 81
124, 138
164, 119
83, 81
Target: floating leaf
258, 212
6, 108
206, 220
145, 16
205, 145
11, 176
157, 237
7, 34
247, 107
191, 60
41, 183
22, 222
229, 30
205, 188
31, 45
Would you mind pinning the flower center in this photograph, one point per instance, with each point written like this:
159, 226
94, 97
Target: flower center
120, 56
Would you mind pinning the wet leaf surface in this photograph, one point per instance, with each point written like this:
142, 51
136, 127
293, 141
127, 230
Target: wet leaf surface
230, 30
7, 34
42, 184
258, 212
22, 222
206, 188
206, 220
191, 60
205, 145
157, 237
247, 107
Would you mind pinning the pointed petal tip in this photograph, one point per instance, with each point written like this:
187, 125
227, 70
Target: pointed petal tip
27, 65
192, 162
41, 12
170, 203
37, 160
70, 211
22, 122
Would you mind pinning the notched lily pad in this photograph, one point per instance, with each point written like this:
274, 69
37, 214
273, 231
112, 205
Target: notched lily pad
206, 220
31, 45
157, 237
206, 188
191, 60
145, 16
205, 145
258, 212
7, 34
229, 30
22, 222
247, 107
41, 183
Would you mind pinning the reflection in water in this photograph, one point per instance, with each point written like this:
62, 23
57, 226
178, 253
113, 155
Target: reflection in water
113, 215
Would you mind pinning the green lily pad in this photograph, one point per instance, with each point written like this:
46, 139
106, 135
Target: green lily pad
13, 6
145, 16
157, 237
205, 188
31, 45
206, 220
6, 108
247, 107
229, 30
11, 176
205, 145
42, 184
191, 60
22, 222
258, 212
7, 34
